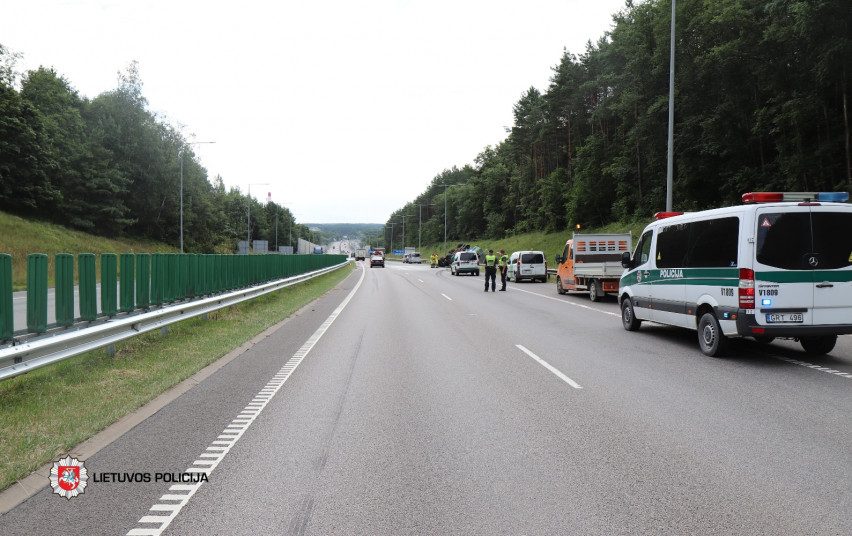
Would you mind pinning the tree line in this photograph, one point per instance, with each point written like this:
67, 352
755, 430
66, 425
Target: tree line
761, 103
110, 166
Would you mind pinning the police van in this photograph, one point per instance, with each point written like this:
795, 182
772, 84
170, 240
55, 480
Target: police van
780, 265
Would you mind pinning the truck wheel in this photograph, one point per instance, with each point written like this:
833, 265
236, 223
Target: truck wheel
819, 345
559, 289
628, 316
711, 340
593, 290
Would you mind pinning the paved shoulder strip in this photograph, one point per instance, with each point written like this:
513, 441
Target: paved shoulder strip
550, 367
566, 302
169, 505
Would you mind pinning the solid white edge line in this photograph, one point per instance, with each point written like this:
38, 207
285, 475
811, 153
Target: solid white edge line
566, 302
444, 295
297, 358
550, 367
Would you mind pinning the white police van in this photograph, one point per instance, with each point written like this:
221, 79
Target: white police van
778, 266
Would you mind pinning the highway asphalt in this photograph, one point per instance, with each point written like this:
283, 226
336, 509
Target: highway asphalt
19, 305
431, 407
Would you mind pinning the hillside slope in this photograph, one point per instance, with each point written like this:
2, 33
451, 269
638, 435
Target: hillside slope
20, 237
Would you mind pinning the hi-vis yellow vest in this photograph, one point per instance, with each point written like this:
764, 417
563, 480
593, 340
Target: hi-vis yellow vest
490, 260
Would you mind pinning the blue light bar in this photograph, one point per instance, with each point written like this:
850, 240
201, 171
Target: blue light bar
833, 197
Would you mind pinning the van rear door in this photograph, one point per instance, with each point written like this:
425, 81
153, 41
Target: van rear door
784, 286
832, 276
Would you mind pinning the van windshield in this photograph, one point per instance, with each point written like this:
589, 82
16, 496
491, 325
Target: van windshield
789, 240
467, 257
532, 258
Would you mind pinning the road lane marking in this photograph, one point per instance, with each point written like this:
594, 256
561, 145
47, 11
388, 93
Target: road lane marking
258, 404
567, 302
805, 364
420, 280
444, 295
550, 367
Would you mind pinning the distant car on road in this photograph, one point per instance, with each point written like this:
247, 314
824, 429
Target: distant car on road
412, 258
377, 259
528, 265
465, 262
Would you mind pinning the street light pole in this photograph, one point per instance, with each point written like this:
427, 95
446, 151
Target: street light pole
181, 152
420, 222
403, 233
248, 220
445, 212
670, 156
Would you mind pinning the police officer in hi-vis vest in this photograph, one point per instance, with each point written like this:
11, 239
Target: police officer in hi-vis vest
504, 266
491, 270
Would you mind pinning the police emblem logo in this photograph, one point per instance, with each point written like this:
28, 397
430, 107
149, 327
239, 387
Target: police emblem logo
68, 477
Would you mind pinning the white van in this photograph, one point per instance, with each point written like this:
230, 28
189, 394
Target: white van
527, 265
778, 266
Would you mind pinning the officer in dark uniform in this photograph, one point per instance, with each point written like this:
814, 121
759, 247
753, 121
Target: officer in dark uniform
491, 270
503, 264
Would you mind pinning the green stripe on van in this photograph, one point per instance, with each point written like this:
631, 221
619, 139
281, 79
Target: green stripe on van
805, 276
725, 277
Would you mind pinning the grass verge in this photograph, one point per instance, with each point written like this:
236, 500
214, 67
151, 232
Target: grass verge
20, 237
98, 390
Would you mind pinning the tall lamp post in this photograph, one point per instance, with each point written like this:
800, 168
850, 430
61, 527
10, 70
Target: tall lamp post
403, 234
670, 156
392, 223
420, 221
248, 219
181, 152
445, 211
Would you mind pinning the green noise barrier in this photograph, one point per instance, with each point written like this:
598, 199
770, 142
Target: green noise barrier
138, 281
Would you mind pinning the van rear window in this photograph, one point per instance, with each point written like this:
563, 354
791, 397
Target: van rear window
784, 239
467, 257
789, 240
532, 258
832, 239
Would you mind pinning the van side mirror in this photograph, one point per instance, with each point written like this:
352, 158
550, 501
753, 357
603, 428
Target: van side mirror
626, 261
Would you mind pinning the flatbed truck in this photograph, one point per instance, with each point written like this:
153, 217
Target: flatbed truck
592, 263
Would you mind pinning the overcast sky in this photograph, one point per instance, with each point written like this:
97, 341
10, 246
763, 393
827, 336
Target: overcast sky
347, 108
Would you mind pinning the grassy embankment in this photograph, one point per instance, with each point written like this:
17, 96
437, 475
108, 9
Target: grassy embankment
551, 244
20, 237
98, 390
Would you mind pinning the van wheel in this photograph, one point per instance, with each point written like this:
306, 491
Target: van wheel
559, 289
593, 291
628, 315
819, 345
476, 273
711, 340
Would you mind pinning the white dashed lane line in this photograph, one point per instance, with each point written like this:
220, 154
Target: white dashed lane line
550, 367
164, 511
444, 295
805, 364
420, 280
566, 302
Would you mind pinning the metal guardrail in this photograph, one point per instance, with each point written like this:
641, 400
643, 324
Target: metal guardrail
41, 351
